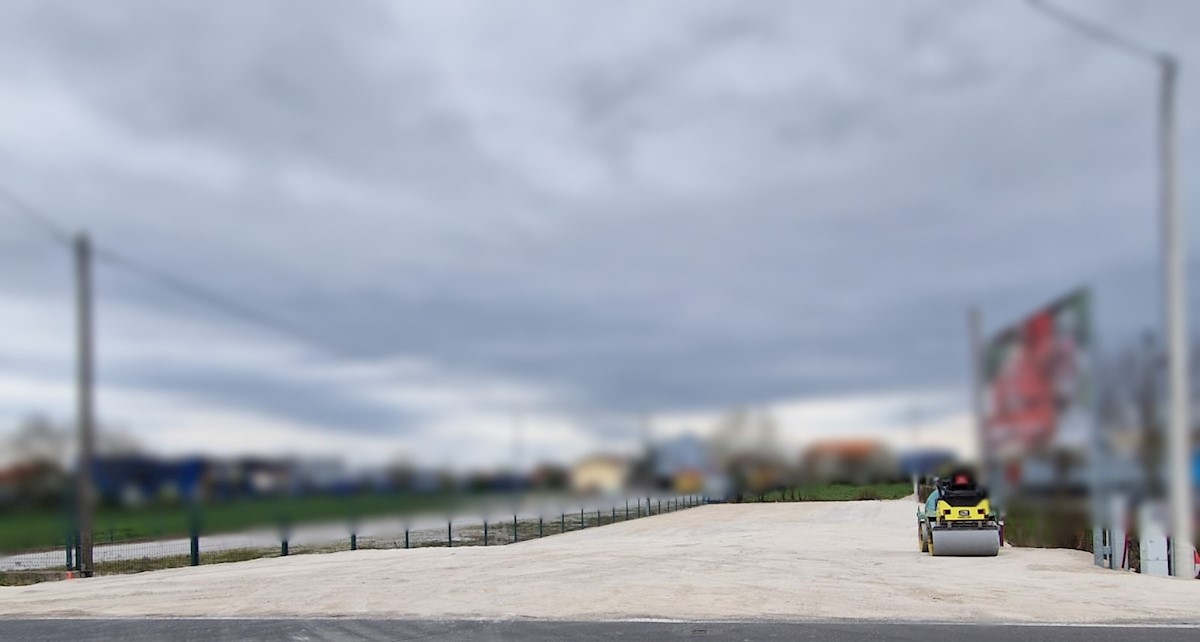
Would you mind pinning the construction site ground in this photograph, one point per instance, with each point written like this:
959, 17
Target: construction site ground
785, 561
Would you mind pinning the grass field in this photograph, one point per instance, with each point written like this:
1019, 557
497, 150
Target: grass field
43, 529
500, 532
46, 529
23, 578
835, 493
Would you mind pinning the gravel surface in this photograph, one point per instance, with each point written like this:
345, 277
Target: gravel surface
788, 561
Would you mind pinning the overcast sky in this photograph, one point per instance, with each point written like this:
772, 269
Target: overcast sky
575, 213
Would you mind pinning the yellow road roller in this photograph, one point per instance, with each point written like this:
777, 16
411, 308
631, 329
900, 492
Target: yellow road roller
957, 519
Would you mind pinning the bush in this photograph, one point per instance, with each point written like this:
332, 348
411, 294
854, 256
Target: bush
1048, 524
868, 493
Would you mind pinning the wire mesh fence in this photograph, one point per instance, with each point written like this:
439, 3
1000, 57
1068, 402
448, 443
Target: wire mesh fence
118, 550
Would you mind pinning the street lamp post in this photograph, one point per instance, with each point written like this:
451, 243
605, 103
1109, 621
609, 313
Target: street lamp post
1174, 287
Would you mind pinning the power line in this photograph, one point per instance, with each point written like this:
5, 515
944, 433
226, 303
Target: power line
213, 299
177, 285
47, 223
1098, 32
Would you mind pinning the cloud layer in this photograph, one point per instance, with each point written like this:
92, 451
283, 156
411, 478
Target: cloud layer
598, 209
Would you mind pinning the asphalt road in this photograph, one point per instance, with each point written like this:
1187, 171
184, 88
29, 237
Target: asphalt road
182, 630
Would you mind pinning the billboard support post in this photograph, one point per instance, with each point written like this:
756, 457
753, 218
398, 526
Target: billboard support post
975, 335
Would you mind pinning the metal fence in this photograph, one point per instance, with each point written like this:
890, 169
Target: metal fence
116, 552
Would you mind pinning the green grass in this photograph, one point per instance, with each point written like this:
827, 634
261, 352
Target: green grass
24, 578
500, 533
836, 493
45, 529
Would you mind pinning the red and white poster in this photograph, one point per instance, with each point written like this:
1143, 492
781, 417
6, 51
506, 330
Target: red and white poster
1035, 383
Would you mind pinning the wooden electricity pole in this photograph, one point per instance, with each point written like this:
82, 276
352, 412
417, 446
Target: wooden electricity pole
87, 445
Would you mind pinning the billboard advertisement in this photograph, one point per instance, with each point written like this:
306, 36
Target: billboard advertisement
1036, 393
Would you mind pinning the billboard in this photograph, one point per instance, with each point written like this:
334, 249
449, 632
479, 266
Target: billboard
1036, 393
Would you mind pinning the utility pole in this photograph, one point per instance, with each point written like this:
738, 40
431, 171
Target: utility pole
517, 444
87, 445
648, 454
1179, 441
914, 418
975, 338
517, 479
1174, 276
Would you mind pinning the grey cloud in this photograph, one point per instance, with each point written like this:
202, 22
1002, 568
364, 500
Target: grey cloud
821, 237
316, 405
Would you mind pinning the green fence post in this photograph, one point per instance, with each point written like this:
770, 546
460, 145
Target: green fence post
71, 529
514, 529
449, 534
485, 533
284, 524
73, 552
353, 514
562, 525
194, 537
582, 524
406, 538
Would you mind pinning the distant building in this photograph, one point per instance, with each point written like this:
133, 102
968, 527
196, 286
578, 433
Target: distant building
686, 464
549, 476
323, 474
853, 461
606, 474
135, 479
925, 462
756, 473
256, 476
32, 483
